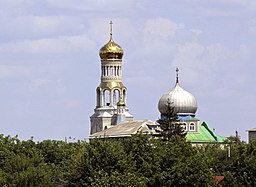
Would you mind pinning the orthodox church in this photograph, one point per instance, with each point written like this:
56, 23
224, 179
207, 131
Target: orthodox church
112, 119
184, 107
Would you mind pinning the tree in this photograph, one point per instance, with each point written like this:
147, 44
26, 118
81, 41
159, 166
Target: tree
22, 164
180, 164
139, 160
120, 180
170, 125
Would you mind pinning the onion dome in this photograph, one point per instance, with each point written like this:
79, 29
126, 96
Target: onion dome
182, 102
111, 50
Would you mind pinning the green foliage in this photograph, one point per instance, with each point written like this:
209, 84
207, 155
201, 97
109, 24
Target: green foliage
170, 127
180, 164
119, 180
135, 161
22, 164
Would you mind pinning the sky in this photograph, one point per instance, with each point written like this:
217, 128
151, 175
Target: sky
50, 66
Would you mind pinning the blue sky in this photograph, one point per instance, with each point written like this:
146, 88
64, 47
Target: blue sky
50, 68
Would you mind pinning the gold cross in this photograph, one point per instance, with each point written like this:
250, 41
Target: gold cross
111, 24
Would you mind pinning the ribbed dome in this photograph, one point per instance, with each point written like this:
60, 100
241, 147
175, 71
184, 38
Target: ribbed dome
184, 103
111, 50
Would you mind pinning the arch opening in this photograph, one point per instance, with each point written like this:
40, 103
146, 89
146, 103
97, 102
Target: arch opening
106, 94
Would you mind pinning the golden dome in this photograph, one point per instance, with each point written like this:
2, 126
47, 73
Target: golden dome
111, 50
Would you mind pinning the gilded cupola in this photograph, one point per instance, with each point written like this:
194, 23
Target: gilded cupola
111, 50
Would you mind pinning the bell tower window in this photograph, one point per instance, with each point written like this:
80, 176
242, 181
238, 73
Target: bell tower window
116, 96
106, 98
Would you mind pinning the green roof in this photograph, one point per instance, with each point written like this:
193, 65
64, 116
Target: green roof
204, 134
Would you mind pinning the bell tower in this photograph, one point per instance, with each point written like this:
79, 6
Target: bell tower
111, 89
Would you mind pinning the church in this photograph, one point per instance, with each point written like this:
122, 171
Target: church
112, 119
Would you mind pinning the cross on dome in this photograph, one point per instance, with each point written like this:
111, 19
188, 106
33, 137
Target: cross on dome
183, 102
177, 75
111, 27
111, 50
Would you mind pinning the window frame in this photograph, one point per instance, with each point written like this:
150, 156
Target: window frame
192, 127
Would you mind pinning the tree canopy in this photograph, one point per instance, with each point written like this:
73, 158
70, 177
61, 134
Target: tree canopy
169, 124
135, 161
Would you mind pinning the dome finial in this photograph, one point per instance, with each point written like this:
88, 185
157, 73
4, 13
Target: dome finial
111, 28
177, 75
183, 102
111, 50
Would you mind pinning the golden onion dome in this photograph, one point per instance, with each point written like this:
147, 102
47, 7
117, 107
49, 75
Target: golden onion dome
111, 50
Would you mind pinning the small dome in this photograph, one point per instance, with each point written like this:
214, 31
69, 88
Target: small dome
184, 103
111, 50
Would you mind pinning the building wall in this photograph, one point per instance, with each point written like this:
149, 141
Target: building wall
252, 135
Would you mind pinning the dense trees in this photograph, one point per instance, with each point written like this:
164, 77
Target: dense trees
136, 161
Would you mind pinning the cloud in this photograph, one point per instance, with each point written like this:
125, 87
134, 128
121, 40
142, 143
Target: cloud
211, 65
216, 12
159, 49
225, 8
162, 27
51, 87
62, 44
12, 7
252, 26
60, 88
196, 31
196, 55
7, 71
249, 4
27, 27
87, 5
38, 84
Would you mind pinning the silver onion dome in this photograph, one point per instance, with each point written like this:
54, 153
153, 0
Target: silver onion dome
182, 102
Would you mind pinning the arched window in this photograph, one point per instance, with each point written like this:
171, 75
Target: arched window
108, 71
106, 97
116, 96
111, 70
118, 70
124, 95
192, 127
98, 97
